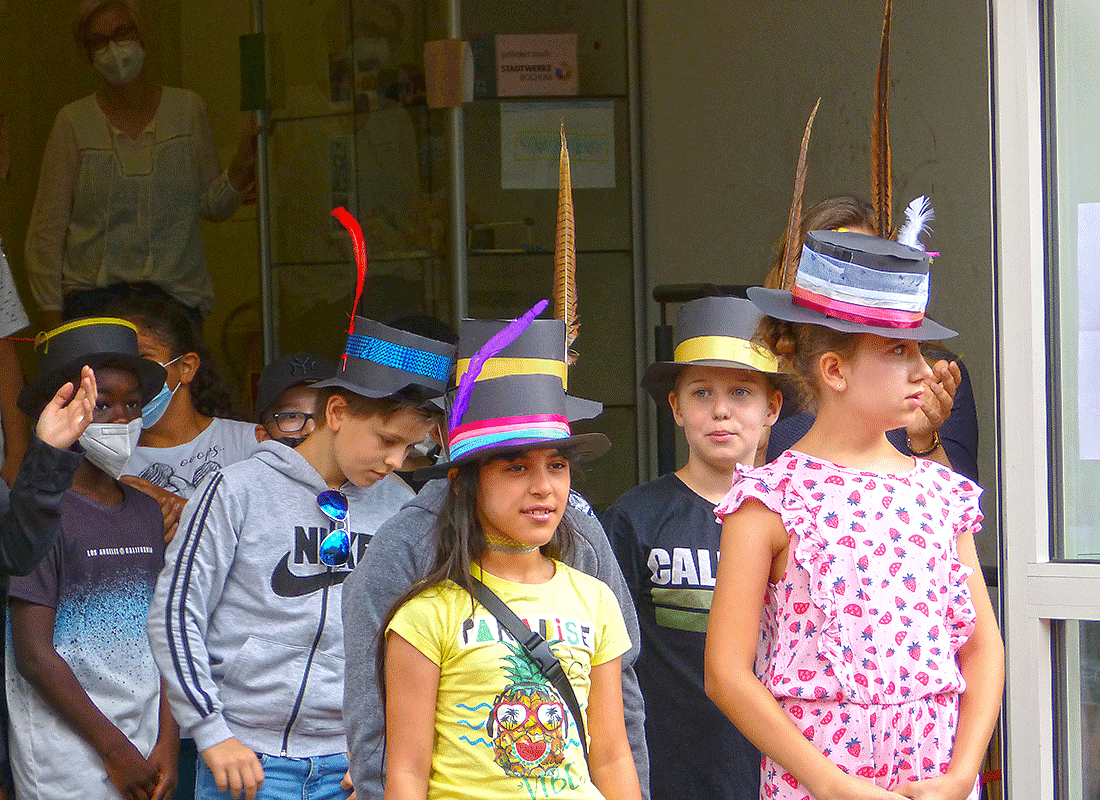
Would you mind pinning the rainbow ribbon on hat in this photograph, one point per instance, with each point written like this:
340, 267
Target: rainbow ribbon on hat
475, 436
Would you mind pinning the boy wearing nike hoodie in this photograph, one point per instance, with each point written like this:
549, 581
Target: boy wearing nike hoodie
245, 620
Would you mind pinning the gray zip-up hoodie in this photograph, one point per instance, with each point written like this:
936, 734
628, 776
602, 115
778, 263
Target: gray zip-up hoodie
245, 620
403, 551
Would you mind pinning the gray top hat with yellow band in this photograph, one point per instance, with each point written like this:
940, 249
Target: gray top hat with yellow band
711, 332
855, 283
95, 342
380, 361
517, 399
540, 349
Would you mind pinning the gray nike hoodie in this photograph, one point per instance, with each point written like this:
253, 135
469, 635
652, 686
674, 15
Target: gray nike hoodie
401, 552
245, 620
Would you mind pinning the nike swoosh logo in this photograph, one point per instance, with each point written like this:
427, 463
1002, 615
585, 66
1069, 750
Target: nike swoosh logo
286, 584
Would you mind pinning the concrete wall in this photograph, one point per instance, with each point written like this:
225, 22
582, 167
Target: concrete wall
726, 90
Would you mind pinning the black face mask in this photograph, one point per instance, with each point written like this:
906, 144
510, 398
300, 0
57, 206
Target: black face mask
289, 441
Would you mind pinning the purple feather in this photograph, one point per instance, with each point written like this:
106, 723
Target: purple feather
488, 350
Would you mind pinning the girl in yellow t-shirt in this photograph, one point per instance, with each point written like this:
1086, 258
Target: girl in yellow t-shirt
467, 714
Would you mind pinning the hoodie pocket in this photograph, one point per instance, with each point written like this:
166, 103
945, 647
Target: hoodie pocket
261, 683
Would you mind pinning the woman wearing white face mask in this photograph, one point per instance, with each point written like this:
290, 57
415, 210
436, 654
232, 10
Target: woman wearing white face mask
126, 175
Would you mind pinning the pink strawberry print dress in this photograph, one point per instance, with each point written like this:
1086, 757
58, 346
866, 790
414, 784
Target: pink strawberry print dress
858, 639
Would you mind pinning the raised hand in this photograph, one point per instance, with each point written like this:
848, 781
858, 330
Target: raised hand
62, 422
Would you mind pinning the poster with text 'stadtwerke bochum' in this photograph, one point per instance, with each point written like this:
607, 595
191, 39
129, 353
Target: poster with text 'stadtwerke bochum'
536, 64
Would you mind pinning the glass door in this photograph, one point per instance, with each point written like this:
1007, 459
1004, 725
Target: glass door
351, 127
1048, 281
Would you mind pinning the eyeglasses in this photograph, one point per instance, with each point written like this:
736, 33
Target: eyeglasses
336, 546
291, 421
122, 33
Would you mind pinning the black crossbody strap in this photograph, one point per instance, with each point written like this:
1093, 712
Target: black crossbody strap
537, 649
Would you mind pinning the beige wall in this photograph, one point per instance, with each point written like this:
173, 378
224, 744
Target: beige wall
726, 89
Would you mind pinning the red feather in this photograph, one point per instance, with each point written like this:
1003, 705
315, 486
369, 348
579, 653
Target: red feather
356, 232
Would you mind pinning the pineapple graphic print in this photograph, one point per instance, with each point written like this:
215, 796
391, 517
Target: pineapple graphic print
528, 721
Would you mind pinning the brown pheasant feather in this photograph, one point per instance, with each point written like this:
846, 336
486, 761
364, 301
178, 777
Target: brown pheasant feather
794, 220
565, 256
881, 181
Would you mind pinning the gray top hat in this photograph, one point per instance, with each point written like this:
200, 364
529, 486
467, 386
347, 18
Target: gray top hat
711, 332
380, 361
517, 400
855, 283
95, 342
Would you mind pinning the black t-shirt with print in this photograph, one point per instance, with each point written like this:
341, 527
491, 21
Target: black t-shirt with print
666, 539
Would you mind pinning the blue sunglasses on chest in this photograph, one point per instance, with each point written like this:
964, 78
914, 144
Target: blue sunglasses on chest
336, 546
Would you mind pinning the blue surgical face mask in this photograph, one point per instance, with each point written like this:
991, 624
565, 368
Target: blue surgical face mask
152, 411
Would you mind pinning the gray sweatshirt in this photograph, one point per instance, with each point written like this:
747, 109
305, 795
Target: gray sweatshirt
245, 620
401, 552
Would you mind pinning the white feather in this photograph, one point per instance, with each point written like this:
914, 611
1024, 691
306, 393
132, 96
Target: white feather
917, 216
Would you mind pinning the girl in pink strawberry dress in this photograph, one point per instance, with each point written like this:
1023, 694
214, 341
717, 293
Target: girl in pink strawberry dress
851, 637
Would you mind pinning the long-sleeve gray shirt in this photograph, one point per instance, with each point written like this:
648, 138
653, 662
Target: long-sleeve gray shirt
401, 552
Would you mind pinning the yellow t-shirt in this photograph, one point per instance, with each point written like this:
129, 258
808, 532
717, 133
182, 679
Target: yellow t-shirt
501, 730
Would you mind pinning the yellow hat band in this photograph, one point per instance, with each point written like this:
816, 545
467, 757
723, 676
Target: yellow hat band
503, 367
45, 336
726, 348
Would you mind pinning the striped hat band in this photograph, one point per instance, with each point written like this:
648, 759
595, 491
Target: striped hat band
858, 293
496, 432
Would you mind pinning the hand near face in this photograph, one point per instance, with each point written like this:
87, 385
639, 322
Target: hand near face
63, 421
936, 405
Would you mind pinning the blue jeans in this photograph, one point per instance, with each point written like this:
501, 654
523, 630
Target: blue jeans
315, 778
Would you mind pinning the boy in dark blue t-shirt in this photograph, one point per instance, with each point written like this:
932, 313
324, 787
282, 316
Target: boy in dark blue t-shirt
87, 716
723, 393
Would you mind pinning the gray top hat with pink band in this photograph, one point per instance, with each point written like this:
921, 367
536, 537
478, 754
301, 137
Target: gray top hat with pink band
510, 394
855, 283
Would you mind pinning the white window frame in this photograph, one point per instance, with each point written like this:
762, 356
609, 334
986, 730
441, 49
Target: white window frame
1036, 590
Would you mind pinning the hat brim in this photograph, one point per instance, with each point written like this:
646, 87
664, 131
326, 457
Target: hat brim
777, 303
407, 390
660, 377
580, 449
35, 395
576, 408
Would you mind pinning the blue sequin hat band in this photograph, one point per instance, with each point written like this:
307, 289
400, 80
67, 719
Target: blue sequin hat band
398, 356
380, 361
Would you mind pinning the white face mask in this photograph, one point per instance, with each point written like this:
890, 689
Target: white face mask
108, 444
120, 62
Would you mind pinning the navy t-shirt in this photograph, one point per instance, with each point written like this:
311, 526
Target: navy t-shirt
99, 578
666, 539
